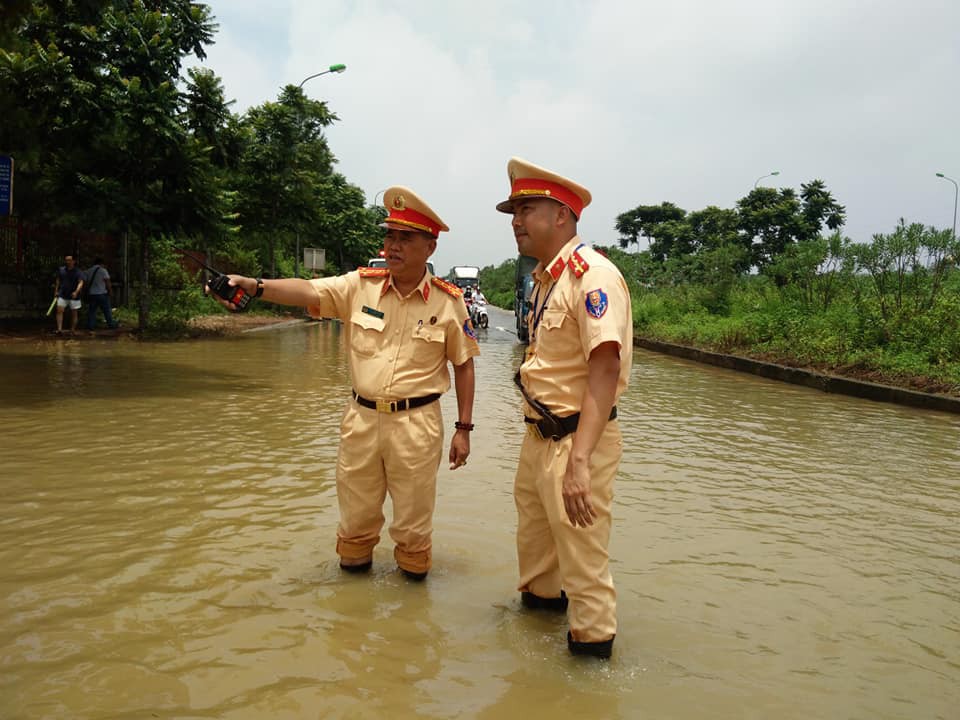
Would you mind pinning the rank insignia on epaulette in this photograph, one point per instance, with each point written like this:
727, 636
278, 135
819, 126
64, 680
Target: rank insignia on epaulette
372, 272
448, 287
578, 264
556, 270
596, 303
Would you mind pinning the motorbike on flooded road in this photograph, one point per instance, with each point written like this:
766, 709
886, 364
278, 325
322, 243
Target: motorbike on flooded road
478, 314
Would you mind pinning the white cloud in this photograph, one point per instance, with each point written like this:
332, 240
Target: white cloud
688, 101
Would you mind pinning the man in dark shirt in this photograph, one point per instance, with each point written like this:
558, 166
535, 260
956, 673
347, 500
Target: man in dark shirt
69, 285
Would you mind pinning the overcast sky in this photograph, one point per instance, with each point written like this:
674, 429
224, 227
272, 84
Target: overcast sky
689, 101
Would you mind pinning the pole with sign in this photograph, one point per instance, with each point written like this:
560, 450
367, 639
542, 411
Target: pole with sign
314, 259
6, 185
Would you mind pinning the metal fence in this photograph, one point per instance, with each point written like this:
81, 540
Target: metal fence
31, 253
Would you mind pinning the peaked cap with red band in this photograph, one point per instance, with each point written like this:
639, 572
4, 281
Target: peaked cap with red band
528, 180
409, 212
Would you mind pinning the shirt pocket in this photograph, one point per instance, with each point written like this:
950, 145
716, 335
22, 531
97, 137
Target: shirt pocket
366, 333
558, 335
428, 344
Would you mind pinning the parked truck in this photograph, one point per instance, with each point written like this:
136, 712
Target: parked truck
465, 276
523, 289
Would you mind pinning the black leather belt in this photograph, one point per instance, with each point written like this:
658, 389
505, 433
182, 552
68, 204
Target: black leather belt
392, 406
557, 428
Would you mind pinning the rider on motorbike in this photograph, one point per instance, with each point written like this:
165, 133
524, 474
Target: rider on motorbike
478, 310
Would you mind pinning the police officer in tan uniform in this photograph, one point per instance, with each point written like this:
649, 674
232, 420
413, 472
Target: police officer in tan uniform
577, 365
402, 326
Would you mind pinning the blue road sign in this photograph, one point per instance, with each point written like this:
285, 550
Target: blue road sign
6, 185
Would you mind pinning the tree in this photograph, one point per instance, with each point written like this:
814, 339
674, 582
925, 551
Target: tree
819, 209
341, 223
643, 220
770, 220
713, 228
207, 117
99, 133
906, 267
814, 269
285, 163
109, 136
499, 283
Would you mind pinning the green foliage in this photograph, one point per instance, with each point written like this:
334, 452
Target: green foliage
771, 220
289, 192
172, 310
94, 81
764, 225
811, 271
644, 219
891, 307
108, 134
499, 283
907, 267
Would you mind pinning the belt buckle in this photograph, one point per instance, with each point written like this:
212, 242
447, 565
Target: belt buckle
385, 406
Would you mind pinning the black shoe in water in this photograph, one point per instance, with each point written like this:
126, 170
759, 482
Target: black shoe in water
602, 649
535, 602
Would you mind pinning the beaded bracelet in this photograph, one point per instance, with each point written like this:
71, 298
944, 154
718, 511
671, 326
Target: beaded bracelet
463, 426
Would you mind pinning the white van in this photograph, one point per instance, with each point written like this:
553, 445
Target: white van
380, 262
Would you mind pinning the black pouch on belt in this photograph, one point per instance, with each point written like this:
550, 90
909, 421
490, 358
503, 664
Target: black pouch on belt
550, 426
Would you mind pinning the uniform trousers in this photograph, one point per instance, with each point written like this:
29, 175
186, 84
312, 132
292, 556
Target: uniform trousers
553, 554
396, 453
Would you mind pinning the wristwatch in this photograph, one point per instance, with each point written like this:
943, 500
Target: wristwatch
259, 291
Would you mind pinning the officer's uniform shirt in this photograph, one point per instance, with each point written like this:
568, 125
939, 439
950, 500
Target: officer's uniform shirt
581, 300
399, 346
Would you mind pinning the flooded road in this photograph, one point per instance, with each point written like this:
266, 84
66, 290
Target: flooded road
167, 533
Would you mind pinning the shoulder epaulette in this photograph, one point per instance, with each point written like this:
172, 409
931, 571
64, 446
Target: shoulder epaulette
448, 287
373, 272
577, 264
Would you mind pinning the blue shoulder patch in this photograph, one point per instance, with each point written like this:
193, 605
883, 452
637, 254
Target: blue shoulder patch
468, 329
596, 302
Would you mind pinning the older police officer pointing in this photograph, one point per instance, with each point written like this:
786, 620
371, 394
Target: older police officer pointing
402, 326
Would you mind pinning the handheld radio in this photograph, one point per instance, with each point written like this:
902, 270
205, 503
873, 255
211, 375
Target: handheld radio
220, 284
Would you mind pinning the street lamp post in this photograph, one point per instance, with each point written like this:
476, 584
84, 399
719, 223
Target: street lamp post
332, 69
338, 68
775, 172
375, 198
956, 190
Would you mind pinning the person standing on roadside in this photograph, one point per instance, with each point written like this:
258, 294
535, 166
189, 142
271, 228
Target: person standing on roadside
576, 367
69, 285
99, 294
402, 326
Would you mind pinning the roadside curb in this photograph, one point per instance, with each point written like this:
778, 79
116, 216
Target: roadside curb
807, 378
274, 326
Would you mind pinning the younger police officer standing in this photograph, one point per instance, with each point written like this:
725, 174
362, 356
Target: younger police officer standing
577, 365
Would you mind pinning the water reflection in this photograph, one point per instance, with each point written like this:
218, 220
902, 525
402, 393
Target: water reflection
168, 526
